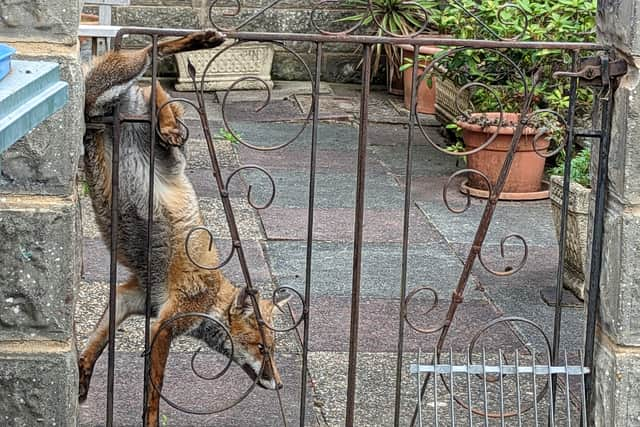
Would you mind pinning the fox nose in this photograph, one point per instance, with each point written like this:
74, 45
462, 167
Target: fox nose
279, 386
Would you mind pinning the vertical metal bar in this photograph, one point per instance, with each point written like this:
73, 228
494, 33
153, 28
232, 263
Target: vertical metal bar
583, 401
469, 402
518, 397
435, 389
149, 243
405, 236
598, 228
357, 240
418, 388
484, 387
535, 386
452, 406
312, 190
564, 214
113, 262
552, 404
567, 388
501, 389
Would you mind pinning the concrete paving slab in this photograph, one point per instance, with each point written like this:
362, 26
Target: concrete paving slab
96, 262
198, 152
331, 136
205, 184
396, 135
281, 90
294, 158
182, 386
532, 220
430, 188
380, 109
257, 111
338, 225
426, 160
379, 324
333, 190
428, 265
246, 219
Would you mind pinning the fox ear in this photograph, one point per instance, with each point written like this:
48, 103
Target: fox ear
242, 303
281, 301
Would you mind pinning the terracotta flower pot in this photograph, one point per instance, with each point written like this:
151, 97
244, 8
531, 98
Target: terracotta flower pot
88, 19
527, 168
426, 92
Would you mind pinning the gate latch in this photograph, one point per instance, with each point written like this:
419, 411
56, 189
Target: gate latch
596, 70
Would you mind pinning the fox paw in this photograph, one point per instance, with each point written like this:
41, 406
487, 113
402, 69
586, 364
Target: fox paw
207, 39
172, 136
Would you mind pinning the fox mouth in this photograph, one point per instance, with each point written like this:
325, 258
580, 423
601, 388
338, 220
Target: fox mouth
252, 374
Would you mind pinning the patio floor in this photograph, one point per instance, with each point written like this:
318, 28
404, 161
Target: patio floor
275, 243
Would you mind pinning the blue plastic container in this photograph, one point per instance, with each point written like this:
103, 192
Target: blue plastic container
5, 59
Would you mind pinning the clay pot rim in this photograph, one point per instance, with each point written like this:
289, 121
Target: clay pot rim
89, 19
506, 129
425, 50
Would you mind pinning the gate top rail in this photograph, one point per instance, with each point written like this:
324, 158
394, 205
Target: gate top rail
367, 40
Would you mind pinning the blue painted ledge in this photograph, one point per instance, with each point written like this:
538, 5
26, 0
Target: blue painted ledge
29, 94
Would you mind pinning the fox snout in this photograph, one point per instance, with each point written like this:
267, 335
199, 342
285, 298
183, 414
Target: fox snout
269, 377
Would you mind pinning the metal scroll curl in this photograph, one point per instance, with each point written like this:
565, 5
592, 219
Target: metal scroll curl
249, 198
450, 181
440, 64
237, 12
510, 270
296, 321
407, 303
229, 348
502, 13
237, 137
552, 132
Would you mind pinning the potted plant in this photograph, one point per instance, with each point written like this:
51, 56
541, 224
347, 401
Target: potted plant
426, 91
578, 217
496, 82
391, 18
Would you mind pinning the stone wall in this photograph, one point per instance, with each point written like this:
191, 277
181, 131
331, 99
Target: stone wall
617, 358
340, 62
40, 230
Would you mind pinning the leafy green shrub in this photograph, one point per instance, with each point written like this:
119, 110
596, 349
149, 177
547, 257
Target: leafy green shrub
580, 165
562, 20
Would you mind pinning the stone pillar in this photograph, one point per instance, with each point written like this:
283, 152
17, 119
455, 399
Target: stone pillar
617, 352
40, 230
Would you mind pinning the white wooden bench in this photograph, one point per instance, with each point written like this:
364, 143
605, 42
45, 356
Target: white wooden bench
102, 33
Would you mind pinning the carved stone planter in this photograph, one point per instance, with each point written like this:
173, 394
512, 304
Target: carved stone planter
244, 60
577, 223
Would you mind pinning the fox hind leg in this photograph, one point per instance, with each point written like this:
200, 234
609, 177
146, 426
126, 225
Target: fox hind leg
129, 300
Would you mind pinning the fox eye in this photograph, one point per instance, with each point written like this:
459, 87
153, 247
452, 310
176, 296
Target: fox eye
261, 347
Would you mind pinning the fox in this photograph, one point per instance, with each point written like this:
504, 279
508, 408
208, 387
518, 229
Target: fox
177, 285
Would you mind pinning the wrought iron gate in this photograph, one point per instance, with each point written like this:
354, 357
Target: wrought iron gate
585, 63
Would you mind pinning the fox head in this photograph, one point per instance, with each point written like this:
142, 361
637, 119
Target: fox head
253, 349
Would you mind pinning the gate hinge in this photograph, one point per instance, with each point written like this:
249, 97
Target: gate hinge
596, 70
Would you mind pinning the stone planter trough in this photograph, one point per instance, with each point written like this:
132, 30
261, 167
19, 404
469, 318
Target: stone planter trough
251, 59
577, 223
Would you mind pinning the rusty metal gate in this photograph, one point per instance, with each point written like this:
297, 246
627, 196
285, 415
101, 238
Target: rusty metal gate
448, 390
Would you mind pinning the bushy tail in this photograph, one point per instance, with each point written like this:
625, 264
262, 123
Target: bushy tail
115, 72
